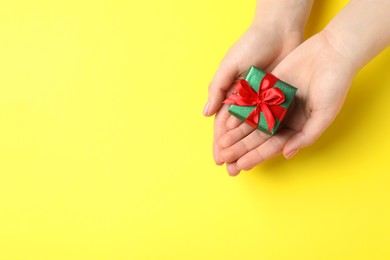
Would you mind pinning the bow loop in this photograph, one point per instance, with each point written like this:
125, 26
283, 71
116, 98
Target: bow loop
272, 96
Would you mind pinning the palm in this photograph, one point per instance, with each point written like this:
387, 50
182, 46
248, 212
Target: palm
322, 81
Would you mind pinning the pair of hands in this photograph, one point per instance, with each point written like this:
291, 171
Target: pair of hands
321, 74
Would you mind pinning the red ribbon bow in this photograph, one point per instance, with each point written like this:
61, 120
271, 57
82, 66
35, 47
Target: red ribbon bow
266, 100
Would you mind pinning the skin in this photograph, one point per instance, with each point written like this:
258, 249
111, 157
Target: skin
322, 68
283, 28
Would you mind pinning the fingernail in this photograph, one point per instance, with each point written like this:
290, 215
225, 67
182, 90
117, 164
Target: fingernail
291, 154
219, 163
206, 107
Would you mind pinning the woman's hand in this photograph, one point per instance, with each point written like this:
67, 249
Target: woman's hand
261, 46
323, 77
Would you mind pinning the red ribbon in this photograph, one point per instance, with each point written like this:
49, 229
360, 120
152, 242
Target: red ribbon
266, 100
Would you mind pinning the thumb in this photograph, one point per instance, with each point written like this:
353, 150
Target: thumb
311, 131
221, 83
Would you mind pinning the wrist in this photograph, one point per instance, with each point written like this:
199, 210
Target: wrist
283, 16
342, 48
333, 51
285, 30
360, 32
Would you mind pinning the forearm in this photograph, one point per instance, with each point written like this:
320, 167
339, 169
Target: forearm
360, 31
284, 15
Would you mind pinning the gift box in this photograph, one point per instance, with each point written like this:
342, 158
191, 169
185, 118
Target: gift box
261, 100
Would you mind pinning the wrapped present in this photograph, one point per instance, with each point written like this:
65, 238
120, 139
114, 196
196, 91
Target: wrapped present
261, 100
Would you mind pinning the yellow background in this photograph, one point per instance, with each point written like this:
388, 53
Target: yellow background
104, 153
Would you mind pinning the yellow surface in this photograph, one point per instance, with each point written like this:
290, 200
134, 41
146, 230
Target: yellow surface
104, 153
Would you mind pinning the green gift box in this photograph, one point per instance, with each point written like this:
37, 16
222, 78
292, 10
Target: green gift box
261, 100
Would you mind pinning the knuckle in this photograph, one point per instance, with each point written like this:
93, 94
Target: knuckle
259, 157
309, 139
224, 142
276, 142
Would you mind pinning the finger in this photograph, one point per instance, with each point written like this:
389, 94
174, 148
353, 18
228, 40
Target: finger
272, 147
233, 136
232, 169
233, 122
219, 130
311, 131
221, 83
245, 145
